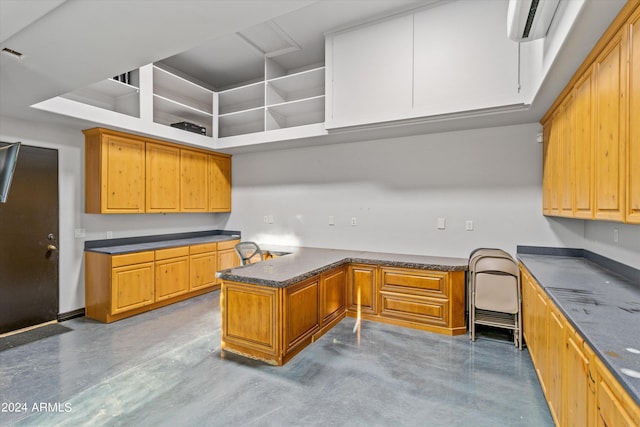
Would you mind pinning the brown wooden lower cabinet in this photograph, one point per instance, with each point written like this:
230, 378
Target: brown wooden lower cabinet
119, 286
580, 390
274, 324
415, 298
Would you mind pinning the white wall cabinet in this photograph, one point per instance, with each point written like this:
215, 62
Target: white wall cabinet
370, 76
420, 64
464, 66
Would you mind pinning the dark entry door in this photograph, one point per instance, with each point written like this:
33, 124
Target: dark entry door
29, 242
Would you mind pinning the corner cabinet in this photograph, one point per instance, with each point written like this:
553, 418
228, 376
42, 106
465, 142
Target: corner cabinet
591, 162
579, 389
130, 174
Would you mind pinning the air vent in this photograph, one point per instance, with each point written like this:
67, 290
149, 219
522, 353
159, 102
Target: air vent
12, 52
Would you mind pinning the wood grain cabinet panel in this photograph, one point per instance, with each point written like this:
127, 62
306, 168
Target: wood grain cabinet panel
580, 388
203, 263
609, 143
250, 321
633, 141
162, 178
132, 287
172, 272
194, 168
219, 184
555, 358
362, 288
583, 152
301, 313
114, 173
332, 295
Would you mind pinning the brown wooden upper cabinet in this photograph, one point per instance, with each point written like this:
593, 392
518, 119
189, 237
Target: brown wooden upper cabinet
591, 162
130, 174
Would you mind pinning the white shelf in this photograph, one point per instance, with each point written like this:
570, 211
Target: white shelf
167, 111
296, 113
182, 91
241, 122
241, 98
305, 84
110, 95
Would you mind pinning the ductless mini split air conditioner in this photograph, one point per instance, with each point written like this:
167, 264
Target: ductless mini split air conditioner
530, 19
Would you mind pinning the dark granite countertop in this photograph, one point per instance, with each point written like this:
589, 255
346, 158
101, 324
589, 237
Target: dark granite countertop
603, 305
163, 241
303, 263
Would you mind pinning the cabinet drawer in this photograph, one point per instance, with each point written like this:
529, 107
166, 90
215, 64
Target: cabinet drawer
132, 258
172, 252
414, 308
200, 249
229, 244
419, 282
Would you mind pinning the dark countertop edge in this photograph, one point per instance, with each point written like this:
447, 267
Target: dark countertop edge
607, 264
304, 276
626, 271
104, 243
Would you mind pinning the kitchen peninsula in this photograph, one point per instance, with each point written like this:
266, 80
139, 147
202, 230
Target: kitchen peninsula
273, 309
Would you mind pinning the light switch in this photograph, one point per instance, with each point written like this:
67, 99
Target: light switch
354, 221
468, 225
441, 224
332, 220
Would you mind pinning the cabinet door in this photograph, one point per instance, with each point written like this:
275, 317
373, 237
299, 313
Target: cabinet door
541, 338
202, 270
579, 389
172, 272
554, 161
361, 291
633, 140
193, 181
332, 295
609, 144
547, 175
610, 410
163, 178
555, 359
464, 66
370, 73
132, 287
219, 184
122, 175
566, 159
227, 258
583, 153
528, 311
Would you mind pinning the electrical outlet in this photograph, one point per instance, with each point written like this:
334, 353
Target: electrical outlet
109, 234
615, 235
468, 225
354, 221
79, 233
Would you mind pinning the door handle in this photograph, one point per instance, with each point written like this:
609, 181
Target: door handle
51, 248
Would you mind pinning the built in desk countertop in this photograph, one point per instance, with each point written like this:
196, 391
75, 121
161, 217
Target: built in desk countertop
602, 305
303, 263
151, 243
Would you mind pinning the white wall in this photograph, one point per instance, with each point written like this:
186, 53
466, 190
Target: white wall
599, 238
397, 188
70, 145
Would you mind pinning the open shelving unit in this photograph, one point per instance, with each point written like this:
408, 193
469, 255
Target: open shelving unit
176, 99
111, 95
284, 99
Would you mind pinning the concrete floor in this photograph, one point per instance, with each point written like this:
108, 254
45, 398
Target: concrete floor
164, 368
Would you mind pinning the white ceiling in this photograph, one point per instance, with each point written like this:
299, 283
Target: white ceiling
71, 44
